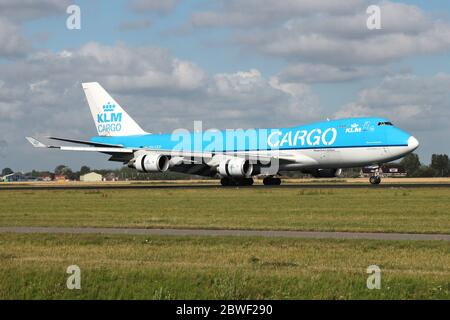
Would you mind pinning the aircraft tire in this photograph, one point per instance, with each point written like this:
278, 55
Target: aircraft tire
375, 180
225, 181
270, 181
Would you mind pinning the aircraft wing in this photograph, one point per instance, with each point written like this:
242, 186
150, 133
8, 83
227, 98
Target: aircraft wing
120, 153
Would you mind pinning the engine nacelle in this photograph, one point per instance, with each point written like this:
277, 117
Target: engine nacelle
235, 167
150, 162
324, 173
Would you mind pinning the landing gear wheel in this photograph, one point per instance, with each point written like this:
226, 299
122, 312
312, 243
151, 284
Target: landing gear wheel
225, 181
248, 182
244, 182
375, 180
270, 181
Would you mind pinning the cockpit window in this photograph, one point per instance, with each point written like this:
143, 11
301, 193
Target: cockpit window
385, 123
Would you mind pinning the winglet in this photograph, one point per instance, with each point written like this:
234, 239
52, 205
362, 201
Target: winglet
36, 143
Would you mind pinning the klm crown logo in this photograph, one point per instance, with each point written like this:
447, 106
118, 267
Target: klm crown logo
108, 107
354, 128
108, 120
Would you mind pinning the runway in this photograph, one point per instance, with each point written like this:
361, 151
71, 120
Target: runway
214, 186
235, 233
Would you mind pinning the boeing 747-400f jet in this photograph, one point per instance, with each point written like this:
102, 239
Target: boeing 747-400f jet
236, 156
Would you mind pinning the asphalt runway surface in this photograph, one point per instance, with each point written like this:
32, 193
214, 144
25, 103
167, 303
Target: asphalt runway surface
226, 232
213, 186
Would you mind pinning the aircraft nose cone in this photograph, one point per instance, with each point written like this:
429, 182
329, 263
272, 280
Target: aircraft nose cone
413, 143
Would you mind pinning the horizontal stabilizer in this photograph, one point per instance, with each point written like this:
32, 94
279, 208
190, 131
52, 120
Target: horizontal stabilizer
110, 150
36, 143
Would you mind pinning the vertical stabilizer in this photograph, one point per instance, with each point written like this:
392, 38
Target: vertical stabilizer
109, 117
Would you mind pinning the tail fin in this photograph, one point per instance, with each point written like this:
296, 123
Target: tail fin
109, 117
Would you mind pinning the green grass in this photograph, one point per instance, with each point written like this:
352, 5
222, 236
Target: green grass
375, 210
141, 267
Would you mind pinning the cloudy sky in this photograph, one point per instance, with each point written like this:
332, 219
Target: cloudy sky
229, 63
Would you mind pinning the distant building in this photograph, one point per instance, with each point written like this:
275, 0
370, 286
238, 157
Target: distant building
16, 177
110, 177
391, 170
60, 178
91, 177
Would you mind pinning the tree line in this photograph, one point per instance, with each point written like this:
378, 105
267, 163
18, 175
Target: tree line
123, 173
439, 167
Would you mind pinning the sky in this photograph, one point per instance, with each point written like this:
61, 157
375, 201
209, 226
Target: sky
228, 63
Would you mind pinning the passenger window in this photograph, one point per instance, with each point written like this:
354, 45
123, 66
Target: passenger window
387, 123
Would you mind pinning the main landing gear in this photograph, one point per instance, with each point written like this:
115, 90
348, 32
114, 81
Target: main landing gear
271, 181
226, 181
233, 182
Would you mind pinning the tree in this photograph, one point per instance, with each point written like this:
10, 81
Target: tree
440, 163
84, 170
7, 171
59, 170
425, 172
411, 163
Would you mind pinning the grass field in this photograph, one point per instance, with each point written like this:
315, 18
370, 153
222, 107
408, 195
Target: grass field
424, 210
216, 182
139, 267
33, 266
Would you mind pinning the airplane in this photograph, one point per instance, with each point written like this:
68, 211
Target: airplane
321, 149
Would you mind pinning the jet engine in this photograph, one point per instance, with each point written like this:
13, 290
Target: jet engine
150, 162
324, 173
235, 167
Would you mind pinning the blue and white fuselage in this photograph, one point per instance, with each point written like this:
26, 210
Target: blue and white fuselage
237, 155
336, 143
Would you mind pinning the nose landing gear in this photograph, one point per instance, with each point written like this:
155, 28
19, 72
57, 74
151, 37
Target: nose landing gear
376, 178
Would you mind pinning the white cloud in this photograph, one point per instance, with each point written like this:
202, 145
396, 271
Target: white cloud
20, 10
321, 41
261, 13
15, 12
42, 94
3, 146
135, 24
12, 42
154, 6
376, 49
419, 105
413, 102
329, 32
310, 73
